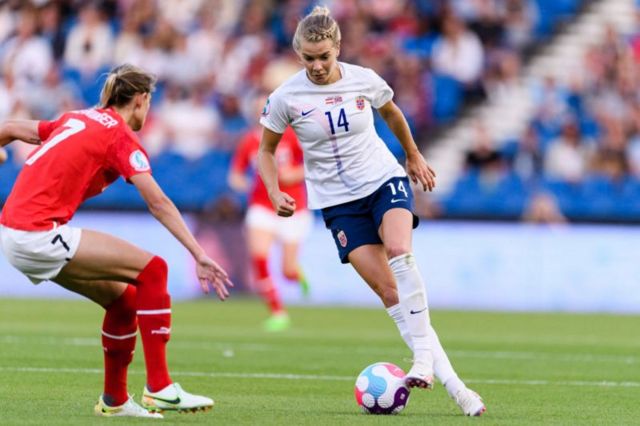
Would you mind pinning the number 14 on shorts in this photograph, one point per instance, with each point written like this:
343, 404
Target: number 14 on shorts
396, 189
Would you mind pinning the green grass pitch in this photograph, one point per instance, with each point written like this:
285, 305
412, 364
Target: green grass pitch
529, 368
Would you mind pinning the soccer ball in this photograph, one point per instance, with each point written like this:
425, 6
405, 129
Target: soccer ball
380, 389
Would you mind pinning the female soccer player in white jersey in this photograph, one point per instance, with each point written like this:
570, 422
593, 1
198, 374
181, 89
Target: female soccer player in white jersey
364, 194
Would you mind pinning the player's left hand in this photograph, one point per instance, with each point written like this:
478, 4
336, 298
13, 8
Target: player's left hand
211, 274
420, 172
283, 204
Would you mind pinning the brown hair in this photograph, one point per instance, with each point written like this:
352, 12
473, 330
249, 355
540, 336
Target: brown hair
317, 26
123, 83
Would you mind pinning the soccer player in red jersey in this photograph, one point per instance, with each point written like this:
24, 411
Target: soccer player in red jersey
264, 226
80, 154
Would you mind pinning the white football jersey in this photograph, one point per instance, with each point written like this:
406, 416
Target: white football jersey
344, 158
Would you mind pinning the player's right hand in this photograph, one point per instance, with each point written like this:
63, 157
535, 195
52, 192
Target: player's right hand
283, 204
211, 274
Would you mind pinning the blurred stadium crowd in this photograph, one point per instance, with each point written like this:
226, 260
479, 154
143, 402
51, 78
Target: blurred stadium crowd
213, 57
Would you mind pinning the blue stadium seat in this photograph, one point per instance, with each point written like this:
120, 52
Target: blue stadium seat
447, 98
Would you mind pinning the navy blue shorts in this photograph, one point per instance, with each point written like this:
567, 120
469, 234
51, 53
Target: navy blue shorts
356, 223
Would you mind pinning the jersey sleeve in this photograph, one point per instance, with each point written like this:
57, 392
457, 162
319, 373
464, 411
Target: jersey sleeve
127, 157
381, 92
274, 115
46, 127
241, 158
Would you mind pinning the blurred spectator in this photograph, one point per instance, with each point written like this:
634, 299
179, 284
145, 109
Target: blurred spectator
89, 43
26, 55
51, 29
528, 162
187, 125
458, 53
568, 156
543, 208
483, 156
520, 18
54, 96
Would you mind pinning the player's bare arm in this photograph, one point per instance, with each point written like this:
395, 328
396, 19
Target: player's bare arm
282, 202
163, 209
417, 167
238, 181
23, 130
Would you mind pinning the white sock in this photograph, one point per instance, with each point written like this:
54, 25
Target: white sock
442, 367
395, 312
413, 302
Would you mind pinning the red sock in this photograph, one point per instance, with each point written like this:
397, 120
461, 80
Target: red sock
154, 319
271, 296
119, 330
267, 290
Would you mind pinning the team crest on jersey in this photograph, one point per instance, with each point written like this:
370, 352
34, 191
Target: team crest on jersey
360, 102
267, 107
342, 238
139, 161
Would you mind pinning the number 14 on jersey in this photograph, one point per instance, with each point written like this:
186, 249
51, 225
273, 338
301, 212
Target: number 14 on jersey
342, 121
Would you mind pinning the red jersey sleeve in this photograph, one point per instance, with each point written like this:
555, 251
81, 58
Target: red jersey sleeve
241, 160
296, 149
127, 157
46, 127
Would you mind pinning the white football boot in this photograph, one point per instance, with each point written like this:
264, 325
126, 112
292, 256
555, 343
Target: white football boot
173, 397
469, 402
128, 409
421, 373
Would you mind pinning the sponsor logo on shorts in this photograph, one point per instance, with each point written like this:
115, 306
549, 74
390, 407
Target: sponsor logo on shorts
139, 161
397, 200
342, 238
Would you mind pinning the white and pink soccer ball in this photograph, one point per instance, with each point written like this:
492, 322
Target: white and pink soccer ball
380, 389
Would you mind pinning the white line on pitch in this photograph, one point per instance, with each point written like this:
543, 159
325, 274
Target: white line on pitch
279, 376
254, 347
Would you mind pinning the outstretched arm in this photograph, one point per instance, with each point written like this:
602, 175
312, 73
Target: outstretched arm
163, 209
283, 203
417, 167
24, 130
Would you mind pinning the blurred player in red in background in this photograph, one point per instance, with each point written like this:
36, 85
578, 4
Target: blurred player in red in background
264, 226
80, 154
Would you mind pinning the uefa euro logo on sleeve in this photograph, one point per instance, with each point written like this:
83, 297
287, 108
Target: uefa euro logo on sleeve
139, 161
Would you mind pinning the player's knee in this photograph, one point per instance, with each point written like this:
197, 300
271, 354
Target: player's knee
395, 250
156, 271
152, 284
388, 294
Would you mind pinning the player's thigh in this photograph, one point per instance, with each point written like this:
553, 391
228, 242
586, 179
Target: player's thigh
259, 241
261, 229
102, 292
104, 257
370, 262
396, 230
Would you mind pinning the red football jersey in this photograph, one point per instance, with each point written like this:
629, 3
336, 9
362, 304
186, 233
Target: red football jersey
288, 154
82, 153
